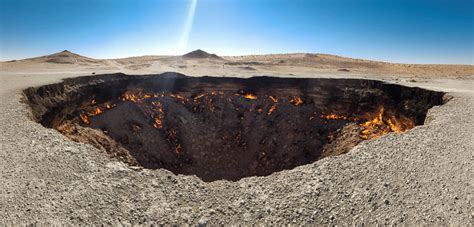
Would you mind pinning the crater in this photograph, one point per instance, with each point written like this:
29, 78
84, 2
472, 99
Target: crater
223, 127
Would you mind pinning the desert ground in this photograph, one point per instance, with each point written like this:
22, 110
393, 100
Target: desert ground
422, 176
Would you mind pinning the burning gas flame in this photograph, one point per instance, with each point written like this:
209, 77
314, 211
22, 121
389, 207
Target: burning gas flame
373, 124
374, 127
172, 137
296, 101
384, 122
158, 120
86, 115
376, 124
158, 123
250, 96
274, 106
274, 100
180, 98
333, 117
271, 110
137, 96
97, 111
84, 118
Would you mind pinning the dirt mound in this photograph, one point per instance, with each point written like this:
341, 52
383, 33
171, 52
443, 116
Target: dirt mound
200, 54
65, 57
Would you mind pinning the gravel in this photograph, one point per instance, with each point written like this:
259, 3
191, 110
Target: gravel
423, 176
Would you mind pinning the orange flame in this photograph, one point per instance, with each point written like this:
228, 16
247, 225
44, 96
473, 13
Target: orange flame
158, 123
250, 96
296, 101
158, 120
376, 124
196, 99
372, 124
384, 122
275, 100
84, 118
173, 138
129, 96
136, 96
97, 111
180, 98
333, 117
271, 110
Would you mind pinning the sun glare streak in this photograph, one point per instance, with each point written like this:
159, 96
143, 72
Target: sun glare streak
183, 42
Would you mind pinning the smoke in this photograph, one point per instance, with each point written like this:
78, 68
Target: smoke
183, 42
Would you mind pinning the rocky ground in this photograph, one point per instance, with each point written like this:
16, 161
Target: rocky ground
423, 176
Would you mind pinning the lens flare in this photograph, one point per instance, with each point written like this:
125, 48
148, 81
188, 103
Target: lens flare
183, 42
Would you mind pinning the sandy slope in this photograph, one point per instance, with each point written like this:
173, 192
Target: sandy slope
200, 61
422, 176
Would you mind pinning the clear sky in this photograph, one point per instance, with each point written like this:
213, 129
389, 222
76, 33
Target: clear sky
410, 31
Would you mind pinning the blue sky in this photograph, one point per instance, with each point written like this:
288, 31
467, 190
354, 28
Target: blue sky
410, 31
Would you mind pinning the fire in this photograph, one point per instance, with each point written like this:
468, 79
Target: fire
275, 100
374, 127
136, 96
333, 117
180, 98
196, 98
384, 122
84, 118
129, 96
372, 124
158, 123
376, 124
97, 111
271, 110
274, 106
250, 96
158, 120
296, 101
172, 137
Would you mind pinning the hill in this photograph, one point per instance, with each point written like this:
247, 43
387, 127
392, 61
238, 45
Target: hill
64, 57
200, 54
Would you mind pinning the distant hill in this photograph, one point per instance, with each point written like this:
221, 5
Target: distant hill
282, 63
65, 57
200, 54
